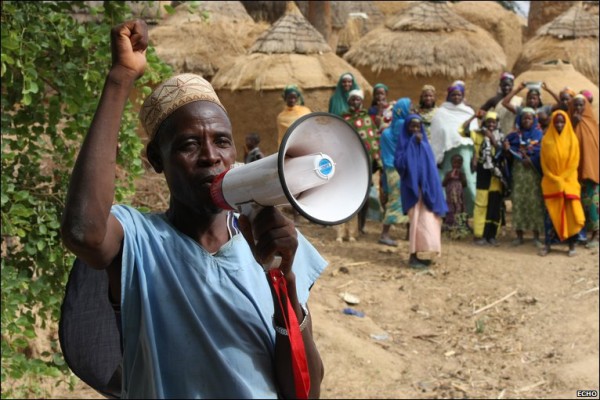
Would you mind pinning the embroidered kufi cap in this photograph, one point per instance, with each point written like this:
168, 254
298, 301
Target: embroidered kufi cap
173, 94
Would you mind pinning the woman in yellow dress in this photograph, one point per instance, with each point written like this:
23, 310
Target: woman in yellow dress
294, 109
559, 157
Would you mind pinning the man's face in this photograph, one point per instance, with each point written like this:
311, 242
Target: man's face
506, 85
195, 145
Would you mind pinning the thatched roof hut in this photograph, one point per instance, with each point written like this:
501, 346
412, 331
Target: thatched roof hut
291, 51
572, 36
203, 38
543, 12
502, 24
558, 74
362, 17
428, 43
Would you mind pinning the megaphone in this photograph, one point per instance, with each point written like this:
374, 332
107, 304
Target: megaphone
322, 169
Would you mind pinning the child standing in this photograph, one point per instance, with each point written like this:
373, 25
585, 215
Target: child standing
454, 183
251, 150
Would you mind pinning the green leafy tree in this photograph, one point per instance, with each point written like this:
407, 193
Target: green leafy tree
53, 71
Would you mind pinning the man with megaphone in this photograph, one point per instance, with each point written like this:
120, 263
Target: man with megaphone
198, 316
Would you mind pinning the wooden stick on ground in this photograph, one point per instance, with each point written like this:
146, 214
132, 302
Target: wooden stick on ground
494, 303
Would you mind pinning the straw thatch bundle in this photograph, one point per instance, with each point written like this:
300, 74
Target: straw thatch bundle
572, 36
150, 11
503, 25
429, 43
291, 51
557, 75
189, 42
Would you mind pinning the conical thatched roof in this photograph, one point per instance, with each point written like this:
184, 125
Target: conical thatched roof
576, 22
290, 51
291, 33
428, 39
504, 25
202, 40
572, 36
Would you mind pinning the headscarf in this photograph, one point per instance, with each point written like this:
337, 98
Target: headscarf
587, 135
529, 138
171, 95
559, 161
490, 115
569, 91
338, 103
293, 89
380, 86
588, 95
389, 137
453, 87
356, 92
507, 75
418, 172
428, 87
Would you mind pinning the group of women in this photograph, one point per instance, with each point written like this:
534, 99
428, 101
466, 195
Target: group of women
545, 157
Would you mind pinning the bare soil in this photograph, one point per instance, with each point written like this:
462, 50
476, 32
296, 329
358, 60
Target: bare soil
482, 322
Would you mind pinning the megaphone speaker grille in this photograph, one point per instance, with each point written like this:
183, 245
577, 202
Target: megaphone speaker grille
347, 190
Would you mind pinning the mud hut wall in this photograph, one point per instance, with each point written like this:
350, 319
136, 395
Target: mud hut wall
252, 111
479, 88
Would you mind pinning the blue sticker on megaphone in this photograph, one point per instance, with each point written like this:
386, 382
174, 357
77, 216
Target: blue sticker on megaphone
325, 167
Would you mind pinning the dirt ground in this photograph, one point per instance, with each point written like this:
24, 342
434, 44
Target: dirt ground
482, 322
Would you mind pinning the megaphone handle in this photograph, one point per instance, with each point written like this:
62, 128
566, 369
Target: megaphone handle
251, 210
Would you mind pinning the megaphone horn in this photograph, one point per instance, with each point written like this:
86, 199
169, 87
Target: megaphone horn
322, 169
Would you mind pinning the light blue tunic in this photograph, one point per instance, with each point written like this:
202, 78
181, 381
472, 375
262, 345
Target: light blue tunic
197, 325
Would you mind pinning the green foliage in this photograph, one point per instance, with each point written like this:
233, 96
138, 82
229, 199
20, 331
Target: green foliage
53, 70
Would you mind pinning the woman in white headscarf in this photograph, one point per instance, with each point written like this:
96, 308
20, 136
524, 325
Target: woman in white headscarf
447, 140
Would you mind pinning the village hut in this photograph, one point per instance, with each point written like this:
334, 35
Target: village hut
201, 38
428, 43
361, 17
558, 75
502, 24
542, 12
292, 51
572, 36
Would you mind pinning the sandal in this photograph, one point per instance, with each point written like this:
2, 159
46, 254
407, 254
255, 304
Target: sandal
480, 242
591, 244
571, 253
543, 251
417, 265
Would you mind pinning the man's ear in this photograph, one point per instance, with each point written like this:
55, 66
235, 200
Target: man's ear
153, 154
